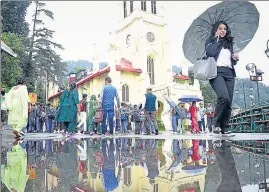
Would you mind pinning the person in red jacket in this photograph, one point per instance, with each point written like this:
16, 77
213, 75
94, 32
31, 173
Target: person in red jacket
194, 123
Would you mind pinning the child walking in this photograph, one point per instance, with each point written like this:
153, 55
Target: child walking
124, 118
136, 119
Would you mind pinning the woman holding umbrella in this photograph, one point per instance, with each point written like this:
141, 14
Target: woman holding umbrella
221, 30
220, 46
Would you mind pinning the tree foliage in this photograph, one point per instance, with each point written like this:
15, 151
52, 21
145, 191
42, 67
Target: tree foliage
43, 61
38, 60
244, 86
10, 68
208, 93
13, 17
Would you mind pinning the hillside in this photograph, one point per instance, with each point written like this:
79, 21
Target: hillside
73, 66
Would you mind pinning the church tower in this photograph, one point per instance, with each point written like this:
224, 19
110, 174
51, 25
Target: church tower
141, 38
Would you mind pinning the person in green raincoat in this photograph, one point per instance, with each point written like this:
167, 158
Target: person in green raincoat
17, 102
14, 174
93, 104
68, 109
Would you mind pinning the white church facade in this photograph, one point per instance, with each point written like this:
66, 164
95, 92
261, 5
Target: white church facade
139, 58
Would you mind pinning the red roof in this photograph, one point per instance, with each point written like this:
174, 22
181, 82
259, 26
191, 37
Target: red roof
179, 76
101, 71
126, 65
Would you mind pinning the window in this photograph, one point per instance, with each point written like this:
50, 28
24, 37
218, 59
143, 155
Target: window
144, 5
153, 7
150, 70
131, 6
124, 9
125, 93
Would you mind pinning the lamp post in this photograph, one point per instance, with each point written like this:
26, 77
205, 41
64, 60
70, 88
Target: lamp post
244, 93
267, 49
255, 75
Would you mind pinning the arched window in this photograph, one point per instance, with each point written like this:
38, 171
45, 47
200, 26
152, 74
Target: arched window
131, 6
144, 5
153, 7
124, 9
150, 69
125, 93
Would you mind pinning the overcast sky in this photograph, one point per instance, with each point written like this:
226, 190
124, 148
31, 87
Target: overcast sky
79, 24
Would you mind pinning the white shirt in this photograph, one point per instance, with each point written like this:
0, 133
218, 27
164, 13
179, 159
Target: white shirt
224, 59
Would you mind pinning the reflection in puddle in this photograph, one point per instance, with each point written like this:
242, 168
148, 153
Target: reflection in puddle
125, 164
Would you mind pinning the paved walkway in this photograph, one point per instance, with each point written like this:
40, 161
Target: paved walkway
162, 135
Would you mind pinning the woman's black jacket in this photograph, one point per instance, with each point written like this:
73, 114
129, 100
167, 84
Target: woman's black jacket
213, 48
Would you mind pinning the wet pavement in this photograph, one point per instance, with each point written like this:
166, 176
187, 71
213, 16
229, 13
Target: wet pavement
134, 164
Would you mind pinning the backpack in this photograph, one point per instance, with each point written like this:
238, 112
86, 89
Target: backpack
136, 115
81, 106
98, 117
142, 116
123, 115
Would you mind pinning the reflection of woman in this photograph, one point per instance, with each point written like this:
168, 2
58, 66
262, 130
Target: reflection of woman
68, 109
17, 103
14, 172
220, 46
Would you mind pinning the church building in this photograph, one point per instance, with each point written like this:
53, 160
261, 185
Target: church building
138, 59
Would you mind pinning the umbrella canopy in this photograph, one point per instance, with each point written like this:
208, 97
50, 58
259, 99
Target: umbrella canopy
194, 169
242, 18
5, 48
190, 98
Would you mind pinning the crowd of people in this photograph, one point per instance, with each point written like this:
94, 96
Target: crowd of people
196, 119
97, 115
102, 115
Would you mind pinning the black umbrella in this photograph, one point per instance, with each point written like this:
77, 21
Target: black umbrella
242, 18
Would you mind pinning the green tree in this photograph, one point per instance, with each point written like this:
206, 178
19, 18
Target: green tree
191, 76
43, 61
208, 93
13, 17
11, 68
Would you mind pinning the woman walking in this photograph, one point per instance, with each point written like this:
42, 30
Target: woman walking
193, 110
93, 104
220, 46
68, 109
17, 104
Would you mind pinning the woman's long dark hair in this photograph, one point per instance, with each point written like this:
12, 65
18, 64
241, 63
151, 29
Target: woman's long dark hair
228, 39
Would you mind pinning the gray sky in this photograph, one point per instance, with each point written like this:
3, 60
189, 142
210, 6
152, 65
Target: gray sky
79, 24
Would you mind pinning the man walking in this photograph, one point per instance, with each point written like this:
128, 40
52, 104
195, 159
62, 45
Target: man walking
201, 112
109, 93
210, 112
150, 107
182, 118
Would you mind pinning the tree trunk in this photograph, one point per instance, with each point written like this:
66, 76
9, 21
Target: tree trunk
30, 68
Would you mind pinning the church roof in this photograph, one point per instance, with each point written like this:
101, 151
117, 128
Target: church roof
126, 65
91, 76
180, 76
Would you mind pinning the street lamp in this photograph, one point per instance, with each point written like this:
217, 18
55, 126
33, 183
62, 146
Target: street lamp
244, 93
255, 75
267, 49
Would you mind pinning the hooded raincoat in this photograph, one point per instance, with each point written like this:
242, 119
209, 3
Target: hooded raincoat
17, 103
93, 104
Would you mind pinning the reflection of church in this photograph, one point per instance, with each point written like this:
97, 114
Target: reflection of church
138, 58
